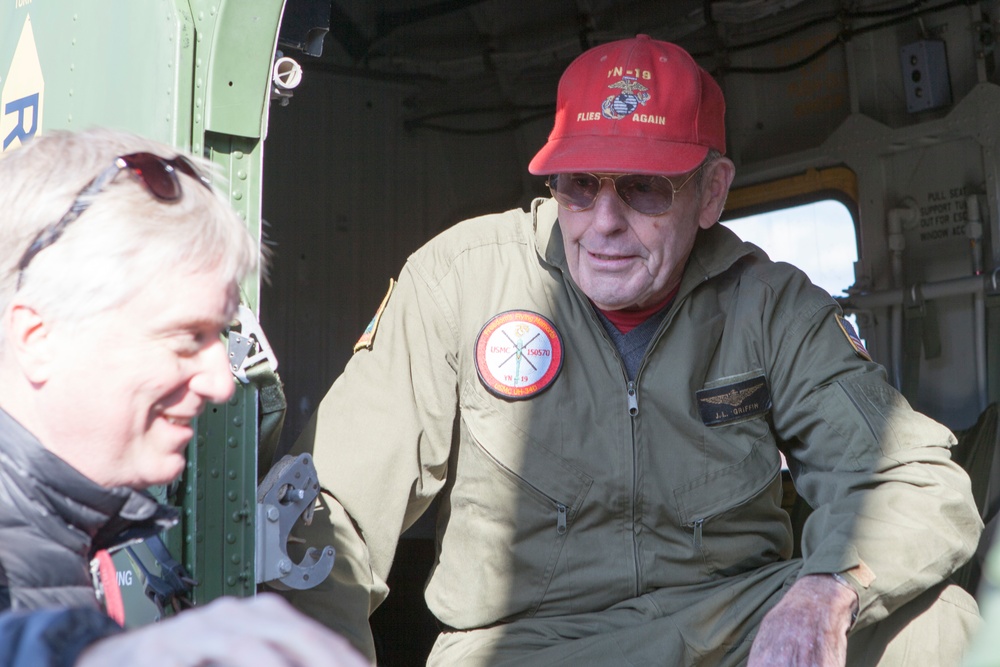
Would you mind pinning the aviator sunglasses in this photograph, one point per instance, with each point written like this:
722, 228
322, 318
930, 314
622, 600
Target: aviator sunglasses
157, 174
644, 193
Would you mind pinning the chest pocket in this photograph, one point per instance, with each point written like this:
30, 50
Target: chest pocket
511, 508
733, 514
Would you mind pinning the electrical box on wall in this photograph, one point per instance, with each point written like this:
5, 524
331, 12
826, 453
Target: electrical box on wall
925, 75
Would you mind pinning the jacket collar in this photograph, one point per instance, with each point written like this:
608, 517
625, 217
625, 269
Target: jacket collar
65, 498
716, 249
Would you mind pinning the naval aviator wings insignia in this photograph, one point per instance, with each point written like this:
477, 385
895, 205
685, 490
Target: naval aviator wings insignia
733, 398
733, 402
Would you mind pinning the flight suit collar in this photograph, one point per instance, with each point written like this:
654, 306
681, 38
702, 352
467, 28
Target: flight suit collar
548, 235
715, 251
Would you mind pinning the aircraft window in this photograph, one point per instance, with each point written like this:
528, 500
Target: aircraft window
819, 238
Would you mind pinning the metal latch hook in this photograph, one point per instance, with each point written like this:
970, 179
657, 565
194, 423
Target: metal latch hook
242, 343
288, 491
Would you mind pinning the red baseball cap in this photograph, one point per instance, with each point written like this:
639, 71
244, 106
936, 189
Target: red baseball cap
637, 106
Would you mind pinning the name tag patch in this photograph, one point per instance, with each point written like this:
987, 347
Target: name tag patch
734, 402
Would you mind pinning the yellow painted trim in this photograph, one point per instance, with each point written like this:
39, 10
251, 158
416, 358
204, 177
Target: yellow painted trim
811, 181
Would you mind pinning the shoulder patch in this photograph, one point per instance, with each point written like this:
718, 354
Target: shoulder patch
368, 337
853, 338
737, 401
518, 354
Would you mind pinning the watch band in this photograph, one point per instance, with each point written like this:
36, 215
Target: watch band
840, 579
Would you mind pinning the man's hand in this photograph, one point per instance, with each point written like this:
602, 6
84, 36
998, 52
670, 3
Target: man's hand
808, 627
263, 631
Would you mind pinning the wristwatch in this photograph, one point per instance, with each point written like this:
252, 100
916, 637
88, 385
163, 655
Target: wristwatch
840, 579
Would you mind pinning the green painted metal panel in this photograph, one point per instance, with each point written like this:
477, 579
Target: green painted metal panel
218, 498
243, 45
220, 489
114, 63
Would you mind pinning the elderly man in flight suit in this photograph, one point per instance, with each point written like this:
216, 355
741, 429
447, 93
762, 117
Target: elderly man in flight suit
599, 390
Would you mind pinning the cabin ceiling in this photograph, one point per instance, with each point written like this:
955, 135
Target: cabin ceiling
449, 37
420, 33
477, 66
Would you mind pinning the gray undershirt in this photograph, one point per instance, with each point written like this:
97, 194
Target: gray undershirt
632, 346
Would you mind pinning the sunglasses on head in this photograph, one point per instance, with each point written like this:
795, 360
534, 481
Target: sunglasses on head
644, 193
157, 174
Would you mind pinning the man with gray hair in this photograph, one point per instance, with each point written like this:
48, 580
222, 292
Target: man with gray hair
120, 269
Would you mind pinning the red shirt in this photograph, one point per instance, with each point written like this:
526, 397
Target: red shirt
628, 319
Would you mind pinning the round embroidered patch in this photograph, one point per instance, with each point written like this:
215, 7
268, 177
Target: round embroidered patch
518, 354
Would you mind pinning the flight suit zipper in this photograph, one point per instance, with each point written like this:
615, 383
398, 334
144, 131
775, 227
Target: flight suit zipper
632, 396
633, 399
632, 402
698, 525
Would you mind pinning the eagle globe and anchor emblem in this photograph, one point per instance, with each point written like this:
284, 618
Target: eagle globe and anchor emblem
632, 94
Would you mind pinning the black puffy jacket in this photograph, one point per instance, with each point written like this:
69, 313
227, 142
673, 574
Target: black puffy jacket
52, 522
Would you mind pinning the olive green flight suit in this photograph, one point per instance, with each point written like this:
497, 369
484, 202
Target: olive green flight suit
599, 521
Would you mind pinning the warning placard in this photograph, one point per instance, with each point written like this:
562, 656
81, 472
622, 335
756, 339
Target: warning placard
943, 214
